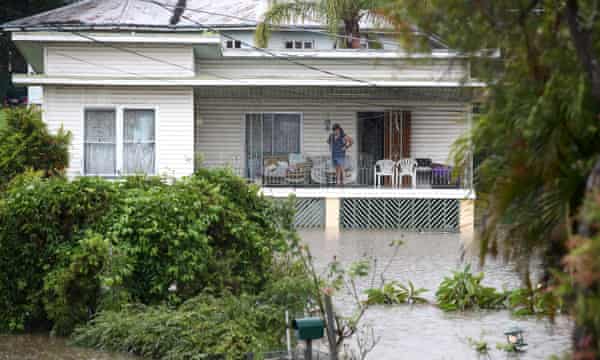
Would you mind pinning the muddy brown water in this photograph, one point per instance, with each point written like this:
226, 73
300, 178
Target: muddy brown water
424, 331
406, 332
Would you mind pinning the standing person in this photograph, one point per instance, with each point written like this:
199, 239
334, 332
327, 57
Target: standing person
339, 142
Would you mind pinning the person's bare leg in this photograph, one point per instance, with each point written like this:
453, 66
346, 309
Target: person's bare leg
339, 174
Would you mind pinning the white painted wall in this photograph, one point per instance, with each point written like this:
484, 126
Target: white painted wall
64, 106
103, 60
365, 69
220, 134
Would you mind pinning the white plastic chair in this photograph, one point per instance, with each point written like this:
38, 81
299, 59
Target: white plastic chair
384, 168
406, 167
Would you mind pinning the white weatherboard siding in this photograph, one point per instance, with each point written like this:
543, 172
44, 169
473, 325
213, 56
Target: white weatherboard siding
64, 106
104, 60
365, 69
220, 133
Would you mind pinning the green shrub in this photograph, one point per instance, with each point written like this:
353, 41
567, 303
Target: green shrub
38, 218
70, 248
25, 143
538, 301
204, 327
464, 291
395, 293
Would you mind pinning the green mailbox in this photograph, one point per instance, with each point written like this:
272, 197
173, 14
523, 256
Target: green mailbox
308, 328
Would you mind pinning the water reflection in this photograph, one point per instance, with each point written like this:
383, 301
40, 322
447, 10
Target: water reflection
423, 331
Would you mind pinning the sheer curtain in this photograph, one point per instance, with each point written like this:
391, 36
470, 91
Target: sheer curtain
270, 134
100, 143
138, 142
286, 134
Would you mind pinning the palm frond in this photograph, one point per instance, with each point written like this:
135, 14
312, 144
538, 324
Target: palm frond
280, 13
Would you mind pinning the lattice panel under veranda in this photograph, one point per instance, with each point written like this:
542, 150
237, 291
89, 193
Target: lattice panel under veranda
427, 215
310, 213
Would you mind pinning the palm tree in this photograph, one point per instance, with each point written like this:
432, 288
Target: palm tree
334, 13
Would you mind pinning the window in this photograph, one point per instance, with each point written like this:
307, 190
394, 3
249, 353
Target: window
100, 143
269, 135
299, 44
138, 142
233, 44
110, 152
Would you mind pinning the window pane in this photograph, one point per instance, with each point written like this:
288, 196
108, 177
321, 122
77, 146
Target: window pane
138, 126
253, 145
268, 134
138, 158
100, 142
289, 44
286, 134
308, 45
298, 44
138, 141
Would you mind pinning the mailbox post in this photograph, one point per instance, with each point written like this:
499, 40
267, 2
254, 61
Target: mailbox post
308, 329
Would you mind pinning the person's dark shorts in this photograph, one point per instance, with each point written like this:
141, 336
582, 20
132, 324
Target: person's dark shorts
339, 161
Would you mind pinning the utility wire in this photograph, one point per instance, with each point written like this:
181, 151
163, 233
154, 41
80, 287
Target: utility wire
265, 51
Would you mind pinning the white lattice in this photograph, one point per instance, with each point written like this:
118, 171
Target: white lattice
400, 214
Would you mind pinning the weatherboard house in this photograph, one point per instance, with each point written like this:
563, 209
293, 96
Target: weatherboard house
146, 87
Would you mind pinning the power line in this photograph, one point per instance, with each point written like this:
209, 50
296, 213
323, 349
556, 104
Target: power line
295, 27
268, 52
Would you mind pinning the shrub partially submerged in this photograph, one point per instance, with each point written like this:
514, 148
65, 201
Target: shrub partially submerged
464, 291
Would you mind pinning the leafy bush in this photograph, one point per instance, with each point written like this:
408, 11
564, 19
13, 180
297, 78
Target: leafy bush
25, 143
69, 249
205, 326
464, 291
395, 293
38, 218
538, 301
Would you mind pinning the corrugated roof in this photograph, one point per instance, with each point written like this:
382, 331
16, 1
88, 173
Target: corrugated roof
143, 13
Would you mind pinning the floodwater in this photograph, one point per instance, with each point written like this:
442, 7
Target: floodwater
424, 331
43, 347
406, 332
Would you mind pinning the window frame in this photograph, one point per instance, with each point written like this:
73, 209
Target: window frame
302, 43
233, 43
244, 144
119, 133
83, 136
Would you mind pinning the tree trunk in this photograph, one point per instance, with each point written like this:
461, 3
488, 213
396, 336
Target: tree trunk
352, 33
584, 46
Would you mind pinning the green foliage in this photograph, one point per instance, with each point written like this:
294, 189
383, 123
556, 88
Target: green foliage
395, 293
38, 219
538, 301
464, 291
204, 326
332, 12
2, 118
581, 287
480, 346
71, 248
25, 143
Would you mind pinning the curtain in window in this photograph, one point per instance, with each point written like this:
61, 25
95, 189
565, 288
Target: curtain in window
100, 142
138, 142
286, 134
254, 145
270, 134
